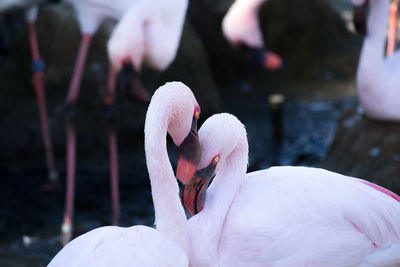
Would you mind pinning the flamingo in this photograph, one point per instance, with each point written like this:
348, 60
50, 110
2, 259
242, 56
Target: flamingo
282, 216
241, 28
147, 31
378, 78
173, 108
38, 86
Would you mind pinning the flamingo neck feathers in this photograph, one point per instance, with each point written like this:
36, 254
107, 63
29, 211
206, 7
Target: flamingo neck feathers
372, 53
227, 183
240, 25
207, 226
170, 217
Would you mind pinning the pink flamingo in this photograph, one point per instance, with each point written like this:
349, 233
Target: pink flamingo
147, 30
282, 216
240, 26
173, 108
37, 81
378, 78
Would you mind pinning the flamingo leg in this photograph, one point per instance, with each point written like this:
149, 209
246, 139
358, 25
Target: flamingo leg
70, 112
110, 115
37, 81
391, 41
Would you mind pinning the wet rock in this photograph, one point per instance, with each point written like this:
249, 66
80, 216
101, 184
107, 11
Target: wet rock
367, 149
59, 37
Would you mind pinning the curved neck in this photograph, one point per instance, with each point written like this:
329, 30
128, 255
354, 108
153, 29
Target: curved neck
170, 217
206, 227
372, 53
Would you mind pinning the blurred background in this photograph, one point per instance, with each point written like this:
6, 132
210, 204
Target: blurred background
322, 122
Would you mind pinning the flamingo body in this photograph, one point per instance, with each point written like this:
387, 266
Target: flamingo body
91, 13
310, 216
119, 246
287, 216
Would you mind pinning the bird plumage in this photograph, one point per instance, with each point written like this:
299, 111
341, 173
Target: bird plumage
285, 216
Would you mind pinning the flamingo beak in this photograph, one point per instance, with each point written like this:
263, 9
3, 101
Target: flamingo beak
129, 82
360, 18
193, 195
261, 57
189, 155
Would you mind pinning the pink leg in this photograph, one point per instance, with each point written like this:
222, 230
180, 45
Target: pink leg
391, 41
70, 111
37, 80
109, 106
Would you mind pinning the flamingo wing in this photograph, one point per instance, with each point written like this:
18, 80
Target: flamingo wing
298, 215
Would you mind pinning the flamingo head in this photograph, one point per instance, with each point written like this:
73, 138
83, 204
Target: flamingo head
219, 136
260, 57
193, 195
126, 58
129, 82
360, 11
189, 152
174, 108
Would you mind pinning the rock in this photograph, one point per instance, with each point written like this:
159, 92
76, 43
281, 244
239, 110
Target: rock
366, 149
59, 37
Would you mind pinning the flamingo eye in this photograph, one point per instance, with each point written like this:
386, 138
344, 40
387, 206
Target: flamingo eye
215, 159
196, 114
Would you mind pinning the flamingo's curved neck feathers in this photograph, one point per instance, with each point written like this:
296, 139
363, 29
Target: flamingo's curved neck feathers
372, 53
208, 224
169, 214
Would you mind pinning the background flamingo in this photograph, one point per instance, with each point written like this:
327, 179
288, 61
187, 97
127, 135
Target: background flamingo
283, 216
149, 31
173, 108
38, 67
378, 78
241, 27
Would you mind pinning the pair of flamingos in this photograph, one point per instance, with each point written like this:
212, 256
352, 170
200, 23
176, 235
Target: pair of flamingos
282, 216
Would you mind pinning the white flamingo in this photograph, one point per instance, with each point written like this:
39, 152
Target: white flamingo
378, 78
147, 31
241, 27
173, 108
283, 216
